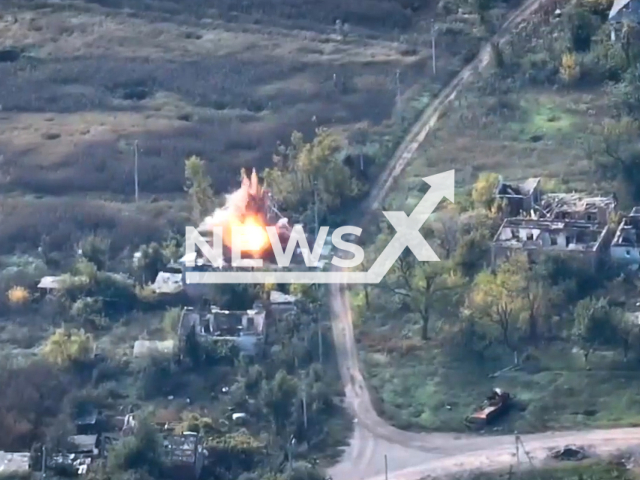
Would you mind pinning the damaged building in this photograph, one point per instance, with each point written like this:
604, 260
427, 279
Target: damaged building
576, 207
625, 247
244, 328
184, 455
532, 236
519, 198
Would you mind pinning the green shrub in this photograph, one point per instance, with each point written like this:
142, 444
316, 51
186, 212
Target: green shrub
68, 346
141, 452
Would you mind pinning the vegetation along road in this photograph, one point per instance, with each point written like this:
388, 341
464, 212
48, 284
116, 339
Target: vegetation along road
413, 456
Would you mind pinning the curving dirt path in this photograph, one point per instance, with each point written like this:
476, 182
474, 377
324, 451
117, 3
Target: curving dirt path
414, 456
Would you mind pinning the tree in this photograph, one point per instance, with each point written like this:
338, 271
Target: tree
141, 452
65, 347
424, 286
192, 348
198, 185
616, 157
150, 261
32, 396
484, 190
595, 324
304, 172
95, 249
472, 253
537, 302
628, 333
278, 396
498, 299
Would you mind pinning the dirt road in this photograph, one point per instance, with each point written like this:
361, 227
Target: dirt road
413, 456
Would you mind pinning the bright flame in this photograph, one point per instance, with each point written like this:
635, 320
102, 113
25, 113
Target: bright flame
251, 234
243, 215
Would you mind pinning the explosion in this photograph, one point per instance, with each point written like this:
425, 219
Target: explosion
245, 215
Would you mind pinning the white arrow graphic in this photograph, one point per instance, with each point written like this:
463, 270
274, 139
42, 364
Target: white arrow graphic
408, 228
407, 235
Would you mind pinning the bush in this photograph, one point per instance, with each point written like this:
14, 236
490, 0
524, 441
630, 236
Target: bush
605, 61
158, 377
19, 271
96, 250
115, 293
171, 320
68, 346
569, 68
142, 452
32, 396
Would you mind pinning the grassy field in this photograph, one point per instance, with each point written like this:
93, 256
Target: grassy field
531, 132
429, 391
222, 80
518, 121
522, 119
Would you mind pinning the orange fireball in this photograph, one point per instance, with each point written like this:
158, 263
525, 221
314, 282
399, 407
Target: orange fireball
250, 235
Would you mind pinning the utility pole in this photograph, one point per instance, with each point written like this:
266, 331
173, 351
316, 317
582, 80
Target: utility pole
398, 101
44, 461
320, 341
386, 468
292, 442
135, 168
433, 45
304, 405
315, 204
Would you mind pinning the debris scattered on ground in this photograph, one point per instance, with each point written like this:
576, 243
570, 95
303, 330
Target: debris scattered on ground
571, 453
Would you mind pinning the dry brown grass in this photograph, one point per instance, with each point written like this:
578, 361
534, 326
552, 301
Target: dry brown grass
221, 79
65, 221
228, 97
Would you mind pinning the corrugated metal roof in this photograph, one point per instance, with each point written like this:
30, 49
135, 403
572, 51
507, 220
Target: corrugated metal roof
50, 283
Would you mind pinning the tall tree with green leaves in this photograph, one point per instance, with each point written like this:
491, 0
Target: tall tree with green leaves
426, 287
198, 185
306, 173
595, 324
498, 300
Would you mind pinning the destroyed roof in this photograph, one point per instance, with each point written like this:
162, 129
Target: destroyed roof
545, 233
576, 202
181, 448
521, 190
14, 462
628, 233
225, 319
167, 283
